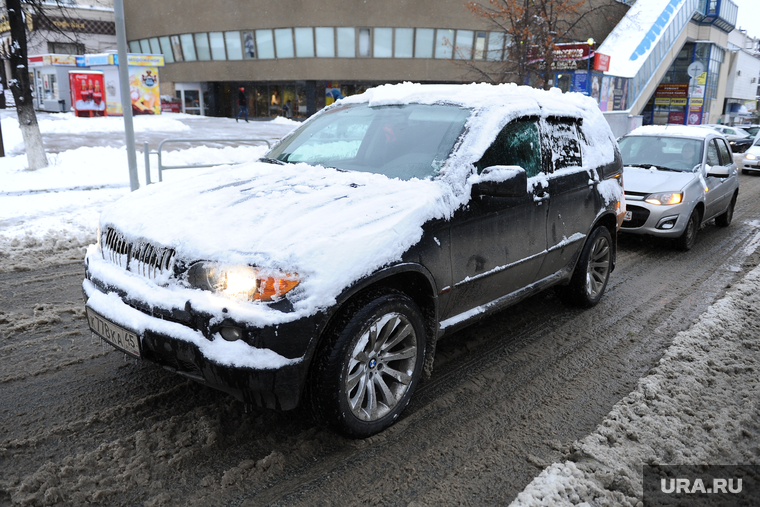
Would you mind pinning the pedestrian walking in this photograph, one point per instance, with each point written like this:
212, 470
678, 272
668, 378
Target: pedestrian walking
243, 103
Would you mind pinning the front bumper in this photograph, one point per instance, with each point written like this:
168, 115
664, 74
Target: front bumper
750, 165
188, 342
657, 220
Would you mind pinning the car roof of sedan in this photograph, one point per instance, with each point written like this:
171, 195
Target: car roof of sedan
676, 131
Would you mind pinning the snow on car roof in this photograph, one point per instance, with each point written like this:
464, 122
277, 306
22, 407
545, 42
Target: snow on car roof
478, 96
675, 130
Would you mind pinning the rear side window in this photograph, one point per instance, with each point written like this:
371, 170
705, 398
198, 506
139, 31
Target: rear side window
517, 144
725, 153
563, 139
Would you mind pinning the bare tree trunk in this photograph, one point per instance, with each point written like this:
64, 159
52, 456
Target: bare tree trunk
22, 89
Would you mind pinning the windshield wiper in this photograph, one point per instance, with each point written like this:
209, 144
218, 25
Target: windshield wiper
660, 167
272, 161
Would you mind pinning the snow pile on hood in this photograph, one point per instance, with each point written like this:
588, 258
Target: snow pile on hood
698, 406
330, 227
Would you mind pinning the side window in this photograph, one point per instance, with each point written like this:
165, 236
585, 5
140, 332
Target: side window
725, 153
712, 154
563, 139
517, 144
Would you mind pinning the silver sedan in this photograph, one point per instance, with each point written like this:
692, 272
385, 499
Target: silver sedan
677, 178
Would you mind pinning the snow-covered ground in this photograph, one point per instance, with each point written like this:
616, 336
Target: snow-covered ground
48, 213
699, 405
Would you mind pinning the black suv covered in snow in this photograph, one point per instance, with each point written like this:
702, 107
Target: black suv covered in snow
325, 272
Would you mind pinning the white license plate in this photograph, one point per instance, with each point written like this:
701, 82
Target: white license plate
628, 216
121, 338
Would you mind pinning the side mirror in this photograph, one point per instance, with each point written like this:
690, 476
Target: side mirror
717, 171
501, 181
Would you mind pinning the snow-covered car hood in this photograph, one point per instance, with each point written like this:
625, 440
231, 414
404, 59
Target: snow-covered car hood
638, 179
330, 227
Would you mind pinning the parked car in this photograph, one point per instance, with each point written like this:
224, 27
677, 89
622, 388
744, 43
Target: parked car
325, 273
750, 161
677, 178
751, 129
738, 138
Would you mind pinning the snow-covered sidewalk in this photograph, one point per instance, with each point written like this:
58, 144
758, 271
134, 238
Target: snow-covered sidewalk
699, 405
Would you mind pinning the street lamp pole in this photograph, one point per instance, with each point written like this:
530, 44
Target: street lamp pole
590, 43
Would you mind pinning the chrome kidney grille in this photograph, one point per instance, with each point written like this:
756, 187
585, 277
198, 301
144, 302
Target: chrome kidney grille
143, 258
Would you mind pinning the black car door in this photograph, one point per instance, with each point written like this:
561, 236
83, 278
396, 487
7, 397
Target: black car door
573, 202
498, 243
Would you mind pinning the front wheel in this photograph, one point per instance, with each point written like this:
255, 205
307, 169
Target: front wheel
686, 240
370, 365
592, 272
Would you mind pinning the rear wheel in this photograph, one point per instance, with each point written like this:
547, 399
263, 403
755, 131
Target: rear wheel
370, 365
592, 272
686, 240
724, 220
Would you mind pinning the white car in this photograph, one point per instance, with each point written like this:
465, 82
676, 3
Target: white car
750, 160
677, 178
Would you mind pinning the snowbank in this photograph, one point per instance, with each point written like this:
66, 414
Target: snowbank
699, 405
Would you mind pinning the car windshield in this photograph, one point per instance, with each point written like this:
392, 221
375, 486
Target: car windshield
665, 153
752, 130
407, 141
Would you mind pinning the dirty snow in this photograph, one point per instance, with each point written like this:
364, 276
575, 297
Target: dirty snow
699, 405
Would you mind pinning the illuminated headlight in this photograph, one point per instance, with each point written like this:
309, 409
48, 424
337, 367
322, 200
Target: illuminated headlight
750, 156
665, 198
241, 282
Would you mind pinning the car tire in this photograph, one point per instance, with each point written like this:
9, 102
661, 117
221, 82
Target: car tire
592, 272
370, 365
689, 237
724, 220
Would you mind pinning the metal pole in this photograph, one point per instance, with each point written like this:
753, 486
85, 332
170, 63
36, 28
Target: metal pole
146, 153
126, 100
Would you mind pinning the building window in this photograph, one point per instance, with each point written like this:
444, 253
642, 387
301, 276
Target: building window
304, 42
364, 37
216, 41
166, 49
495, 46
444, 42
283, 40
177, 49
144, 46
325, 42
202, 49
134, 47
346, 42
188, 48
66, 48
464, 44
265, 43
383, 47
248, 44
404, 43
423, 45
480, 46
232, 41
155, 48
